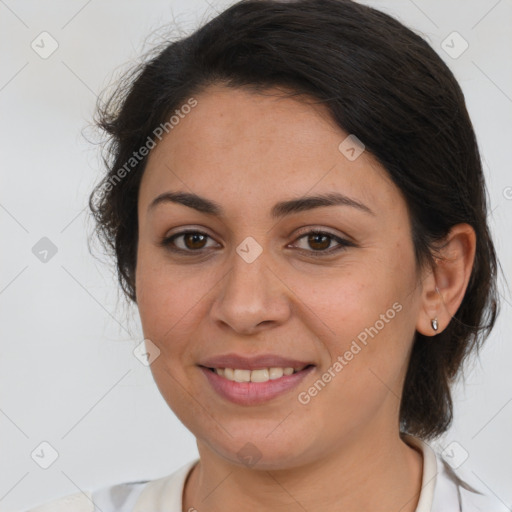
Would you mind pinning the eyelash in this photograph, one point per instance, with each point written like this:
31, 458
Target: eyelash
343, 244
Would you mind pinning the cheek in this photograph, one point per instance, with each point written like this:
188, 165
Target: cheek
170, 300
345, 300
367, 312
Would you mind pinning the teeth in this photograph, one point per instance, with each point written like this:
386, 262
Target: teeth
260, 375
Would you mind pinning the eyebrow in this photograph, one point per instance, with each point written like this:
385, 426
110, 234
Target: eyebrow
279, 210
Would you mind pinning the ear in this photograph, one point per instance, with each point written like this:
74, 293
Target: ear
444, 286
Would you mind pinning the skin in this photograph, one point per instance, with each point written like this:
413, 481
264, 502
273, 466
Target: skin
342, 450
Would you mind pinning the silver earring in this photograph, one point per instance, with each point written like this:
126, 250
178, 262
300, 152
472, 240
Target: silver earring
434, 323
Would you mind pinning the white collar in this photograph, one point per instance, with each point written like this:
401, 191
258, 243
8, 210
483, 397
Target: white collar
430, 471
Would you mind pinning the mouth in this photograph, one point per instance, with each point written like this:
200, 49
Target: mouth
256, 375
242, 386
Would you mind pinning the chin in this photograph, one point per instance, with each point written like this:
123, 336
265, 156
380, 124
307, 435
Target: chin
258, 450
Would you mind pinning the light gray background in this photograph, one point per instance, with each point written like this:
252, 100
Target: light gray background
67, 372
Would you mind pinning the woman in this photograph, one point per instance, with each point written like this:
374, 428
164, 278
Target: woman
296, 205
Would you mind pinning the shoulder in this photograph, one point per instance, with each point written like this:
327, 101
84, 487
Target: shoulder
447, 485
125, 497
470, 493
479, 502
114, 498
79, 502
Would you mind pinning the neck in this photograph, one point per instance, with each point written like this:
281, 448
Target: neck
373, 474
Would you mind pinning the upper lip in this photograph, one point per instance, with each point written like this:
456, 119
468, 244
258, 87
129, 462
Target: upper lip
252, 362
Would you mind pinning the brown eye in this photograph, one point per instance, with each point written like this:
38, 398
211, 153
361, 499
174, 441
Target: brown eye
190, 241
319, 243
194, 240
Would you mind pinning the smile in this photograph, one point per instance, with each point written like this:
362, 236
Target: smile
259, 375
252, 387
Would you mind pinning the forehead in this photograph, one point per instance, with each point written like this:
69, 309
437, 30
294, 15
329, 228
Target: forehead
236, 142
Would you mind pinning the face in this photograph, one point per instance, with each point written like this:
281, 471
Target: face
252, 281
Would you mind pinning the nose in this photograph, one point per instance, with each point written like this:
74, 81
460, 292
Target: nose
251, 297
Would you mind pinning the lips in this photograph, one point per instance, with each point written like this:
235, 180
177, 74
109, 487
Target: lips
254, 393
253, 362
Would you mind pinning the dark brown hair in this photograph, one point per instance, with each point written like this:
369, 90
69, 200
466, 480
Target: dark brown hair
379, 81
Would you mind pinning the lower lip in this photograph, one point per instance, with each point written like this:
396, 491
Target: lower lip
253, 393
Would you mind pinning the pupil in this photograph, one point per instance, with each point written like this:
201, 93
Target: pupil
312, 239
195, 237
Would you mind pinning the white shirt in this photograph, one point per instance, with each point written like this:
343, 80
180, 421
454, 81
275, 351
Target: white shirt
443, 490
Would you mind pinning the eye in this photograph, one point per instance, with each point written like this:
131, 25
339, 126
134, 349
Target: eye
320, 242
193, 241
